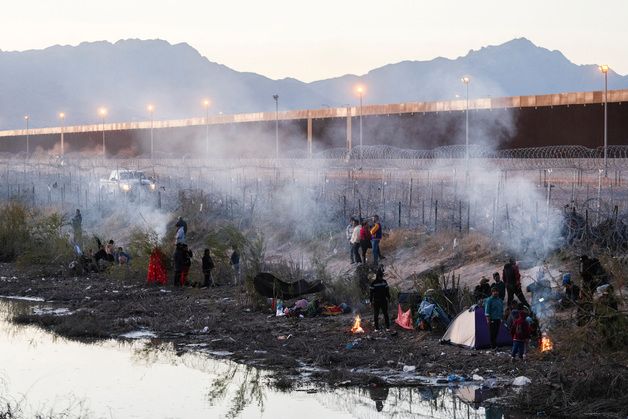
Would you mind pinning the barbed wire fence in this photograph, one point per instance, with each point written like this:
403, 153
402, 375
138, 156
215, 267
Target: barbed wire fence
407, 188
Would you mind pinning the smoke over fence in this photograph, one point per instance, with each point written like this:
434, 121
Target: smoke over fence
521, 197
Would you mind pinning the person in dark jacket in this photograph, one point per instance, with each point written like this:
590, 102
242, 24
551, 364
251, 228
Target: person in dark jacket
208, 265
500, 285
235, 265
380, 296
180, 256
572, 292
512, 279
482, 291
520, 333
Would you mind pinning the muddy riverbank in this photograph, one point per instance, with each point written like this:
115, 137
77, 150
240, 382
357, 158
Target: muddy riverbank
218, 322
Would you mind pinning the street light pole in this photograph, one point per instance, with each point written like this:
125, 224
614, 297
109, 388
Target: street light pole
466, 81
604, 69
206, 105
103, 113
27, 118
151, 110
360, 91
62, 117
276, 98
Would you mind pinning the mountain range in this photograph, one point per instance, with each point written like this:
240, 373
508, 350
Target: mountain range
127, 75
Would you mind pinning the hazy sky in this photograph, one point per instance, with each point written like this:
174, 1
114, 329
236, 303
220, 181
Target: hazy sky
310, 40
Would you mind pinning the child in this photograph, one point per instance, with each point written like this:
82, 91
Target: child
520, 334
208, 265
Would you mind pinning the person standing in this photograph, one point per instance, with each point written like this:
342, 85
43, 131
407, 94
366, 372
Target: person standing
77, 226
179, 263
208, 265
187, 263
355, 242
235, 264
365, 239
348, 234
494, 310
380, 296
376, 236
520, 333
512, 279
499, 284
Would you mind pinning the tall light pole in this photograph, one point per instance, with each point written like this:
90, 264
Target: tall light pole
360, 90
276, 98
28, 150
151, 110
62, 117
604, 69
466, 81
206, 104
103, 113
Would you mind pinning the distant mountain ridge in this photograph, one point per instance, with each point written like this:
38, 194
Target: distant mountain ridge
127, 75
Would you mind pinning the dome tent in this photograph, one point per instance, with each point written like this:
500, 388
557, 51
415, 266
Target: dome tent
470, 330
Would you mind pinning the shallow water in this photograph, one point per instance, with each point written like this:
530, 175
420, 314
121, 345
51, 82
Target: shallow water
42, 373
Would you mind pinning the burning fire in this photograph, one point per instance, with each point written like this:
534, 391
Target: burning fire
546, 343
357, 327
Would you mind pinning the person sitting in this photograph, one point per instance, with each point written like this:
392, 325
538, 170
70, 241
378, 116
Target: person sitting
572, 292
121, 257
482, 291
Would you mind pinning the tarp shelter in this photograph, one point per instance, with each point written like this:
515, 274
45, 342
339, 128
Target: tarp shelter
470, 330
268, 285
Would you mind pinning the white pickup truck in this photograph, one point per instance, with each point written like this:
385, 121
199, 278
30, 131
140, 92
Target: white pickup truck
128, 181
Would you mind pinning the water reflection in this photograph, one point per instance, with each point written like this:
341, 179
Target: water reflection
41, 373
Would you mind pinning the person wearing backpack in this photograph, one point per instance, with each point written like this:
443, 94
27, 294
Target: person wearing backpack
520, 333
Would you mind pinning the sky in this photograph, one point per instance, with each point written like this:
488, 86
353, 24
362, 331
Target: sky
327, 38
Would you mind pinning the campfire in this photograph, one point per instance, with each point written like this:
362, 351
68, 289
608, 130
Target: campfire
546, 343
357, 326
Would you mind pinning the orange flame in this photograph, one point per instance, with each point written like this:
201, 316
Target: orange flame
546, 343
357, 328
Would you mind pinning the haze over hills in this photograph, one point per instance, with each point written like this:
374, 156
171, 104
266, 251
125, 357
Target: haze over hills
129, 74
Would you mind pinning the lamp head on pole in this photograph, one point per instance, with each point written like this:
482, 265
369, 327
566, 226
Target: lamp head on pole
465, 79
150, 108
102, 112
62, 115
276, 97
26, 117
206, 103
604, 68
360, 89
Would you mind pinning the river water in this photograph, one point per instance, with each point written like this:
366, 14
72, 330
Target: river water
41, 373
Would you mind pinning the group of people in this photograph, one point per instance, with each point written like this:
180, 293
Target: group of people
362, 236
182, 261
517, 316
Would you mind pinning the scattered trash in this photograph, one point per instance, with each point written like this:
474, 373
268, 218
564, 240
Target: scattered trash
442, 353
352, 345
205, 329
521, 381
454, 378
260, 352
409, 368
284, 337
490, 383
